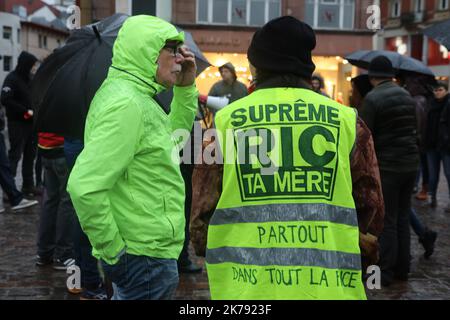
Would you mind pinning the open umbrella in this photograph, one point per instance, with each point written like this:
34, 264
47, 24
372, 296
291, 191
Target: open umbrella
200, 59
362, 59
440, 33
67, 81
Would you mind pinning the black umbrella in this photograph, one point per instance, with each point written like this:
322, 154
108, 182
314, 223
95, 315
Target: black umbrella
200, 59
362, 59
440, 32
67, 81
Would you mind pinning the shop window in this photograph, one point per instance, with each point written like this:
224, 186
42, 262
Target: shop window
7, 61
418, 5
417, 46
396, 8
237, 12
257, 15
220, 8
202, 10
42, 41
330, 14
7, 32
443, 4
437, 54
397, 44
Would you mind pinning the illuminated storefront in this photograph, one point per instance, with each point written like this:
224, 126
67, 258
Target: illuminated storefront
335, 71
223, 30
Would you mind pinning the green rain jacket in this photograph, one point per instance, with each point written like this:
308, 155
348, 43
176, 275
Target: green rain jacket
126, 189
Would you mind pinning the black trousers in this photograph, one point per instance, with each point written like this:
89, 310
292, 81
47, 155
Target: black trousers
55, 232
6, 178
186, 172
395, 238
23, 141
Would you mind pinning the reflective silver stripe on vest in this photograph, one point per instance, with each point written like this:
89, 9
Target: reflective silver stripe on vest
285, 257
285, 212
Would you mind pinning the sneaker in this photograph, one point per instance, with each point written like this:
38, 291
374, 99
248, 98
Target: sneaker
43, 261
60, 264
422, 195
75, 290
427, 241
433, 202
95, 294
2, 209
24, 204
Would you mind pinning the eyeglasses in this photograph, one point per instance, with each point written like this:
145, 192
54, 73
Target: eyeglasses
174, 49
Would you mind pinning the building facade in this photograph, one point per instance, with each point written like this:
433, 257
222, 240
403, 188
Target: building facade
403, 22
41, 40
32, 26
223, 30
95, 10
10, 46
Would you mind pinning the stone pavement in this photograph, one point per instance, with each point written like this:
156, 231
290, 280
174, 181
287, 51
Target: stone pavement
21, 279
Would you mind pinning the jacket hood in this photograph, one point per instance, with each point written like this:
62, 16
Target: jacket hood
25, 63
230, 67
136, 49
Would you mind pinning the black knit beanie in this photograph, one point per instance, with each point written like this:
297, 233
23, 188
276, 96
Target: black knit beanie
283, 46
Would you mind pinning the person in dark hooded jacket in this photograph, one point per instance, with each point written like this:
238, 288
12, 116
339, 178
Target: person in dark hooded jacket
436, 139
16, 97
229, 87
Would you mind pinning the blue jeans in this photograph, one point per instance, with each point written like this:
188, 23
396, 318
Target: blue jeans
423, 171
90, 276
434, 158
142, 278
417, 226
55, 237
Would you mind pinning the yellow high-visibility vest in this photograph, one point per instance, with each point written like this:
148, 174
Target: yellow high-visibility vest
285, 226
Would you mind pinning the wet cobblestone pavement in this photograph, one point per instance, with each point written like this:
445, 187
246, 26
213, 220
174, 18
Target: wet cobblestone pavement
20, 278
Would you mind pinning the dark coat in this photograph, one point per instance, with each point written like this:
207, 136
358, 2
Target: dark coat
434, 128
390, 113
233, 92
16, 93
443, 142
421, 114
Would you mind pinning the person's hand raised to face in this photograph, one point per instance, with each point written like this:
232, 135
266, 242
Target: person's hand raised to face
176, 66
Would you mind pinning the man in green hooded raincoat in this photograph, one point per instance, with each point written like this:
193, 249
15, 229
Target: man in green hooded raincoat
126, 187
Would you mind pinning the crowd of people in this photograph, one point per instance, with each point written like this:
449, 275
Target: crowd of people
343, 174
